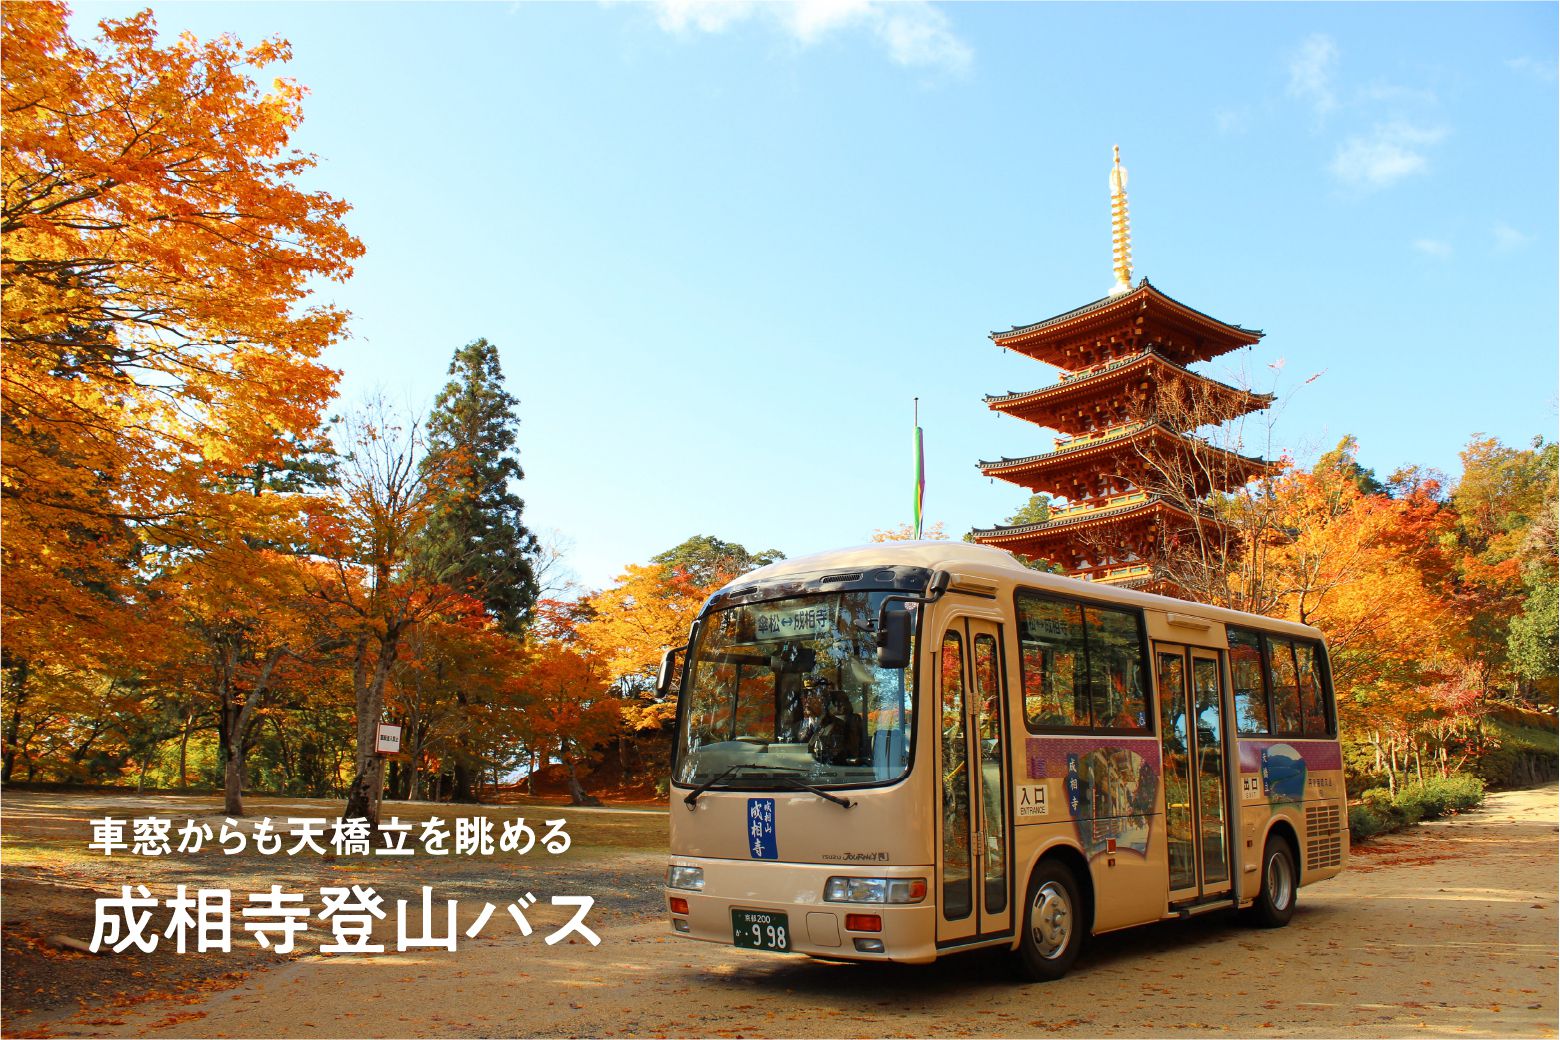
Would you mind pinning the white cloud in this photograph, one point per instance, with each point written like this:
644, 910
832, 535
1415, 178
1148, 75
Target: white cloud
1311, 70
703, 15
1434, 247
1385, 156
1543, 71
914, 33
1508, 238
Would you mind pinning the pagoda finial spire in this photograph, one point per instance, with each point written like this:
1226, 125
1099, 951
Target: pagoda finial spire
1120, 226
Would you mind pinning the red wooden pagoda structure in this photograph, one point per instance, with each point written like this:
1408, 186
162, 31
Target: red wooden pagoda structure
1127, 465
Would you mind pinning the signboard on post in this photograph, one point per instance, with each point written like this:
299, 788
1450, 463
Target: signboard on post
387, 740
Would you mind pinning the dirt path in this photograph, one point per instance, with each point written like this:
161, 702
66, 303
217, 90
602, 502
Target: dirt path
1448, 930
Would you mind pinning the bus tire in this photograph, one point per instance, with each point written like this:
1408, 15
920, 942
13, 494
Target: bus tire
1054, 924
1275, 903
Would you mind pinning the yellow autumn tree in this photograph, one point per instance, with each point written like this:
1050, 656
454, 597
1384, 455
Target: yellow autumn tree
632, 623
157, 333
1366, 569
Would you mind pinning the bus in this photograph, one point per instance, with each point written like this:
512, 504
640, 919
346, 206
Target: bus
901, 751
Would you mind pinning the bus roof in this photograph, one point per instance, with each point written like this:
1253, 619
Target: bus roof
978, 561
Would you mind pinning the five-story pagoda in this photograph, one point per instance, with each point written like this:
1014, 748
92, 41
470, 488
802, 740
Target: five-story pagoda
1132, 472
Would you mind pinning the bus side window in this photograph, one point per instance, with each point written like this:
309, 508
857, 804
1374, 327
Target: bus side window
1051, 663
1116, 670
1311, 704
1251, 703
1286, 686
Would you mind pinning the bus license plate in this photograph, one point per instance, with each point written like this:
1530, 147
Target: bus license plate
760, 930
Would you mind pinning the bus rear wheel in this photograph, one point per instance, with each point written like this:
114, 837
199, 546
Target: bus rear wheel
1054, 924
1275, 903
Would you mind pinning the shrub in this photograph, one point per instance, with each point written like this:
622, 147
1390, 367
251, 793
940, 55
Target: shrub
1378, 812
1367, 820
1456, 793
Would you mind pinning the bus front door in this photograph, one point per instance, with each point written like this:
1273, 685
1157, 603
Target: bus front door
972, 860
1192, 737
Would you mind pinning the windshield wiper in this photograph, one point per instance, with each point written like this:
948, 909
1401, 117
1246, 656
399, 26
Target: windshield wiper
780, 773
802, 785
692, 798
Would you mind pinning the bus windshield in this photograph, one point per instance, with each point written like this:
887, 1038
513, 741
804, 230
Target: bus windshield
792, 688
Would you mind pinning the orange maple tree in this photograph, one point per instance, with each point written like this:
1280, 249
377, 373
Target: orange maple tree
456, 692
569, 708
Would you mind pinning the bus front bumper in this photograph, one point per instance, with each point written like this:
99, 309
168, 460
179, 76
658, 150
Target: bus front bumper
907, 934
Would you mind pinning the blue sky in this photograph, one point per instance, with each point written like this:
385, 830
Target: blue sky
722, 247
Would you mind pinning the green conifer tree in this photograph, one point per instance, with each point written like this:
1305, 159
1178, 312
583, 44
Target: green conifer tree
477, 540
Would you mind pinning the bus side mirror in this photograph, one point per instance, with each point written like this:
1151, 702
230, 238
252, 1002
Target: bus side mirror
663, 679
893, 638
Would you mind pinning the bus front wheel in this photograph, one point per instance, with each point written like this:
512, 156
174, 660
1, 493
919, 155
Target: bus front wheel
1054, 924
1275, 903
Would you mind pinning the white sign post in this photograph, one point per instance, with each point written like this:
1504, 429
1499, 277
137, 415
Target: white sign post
387, 741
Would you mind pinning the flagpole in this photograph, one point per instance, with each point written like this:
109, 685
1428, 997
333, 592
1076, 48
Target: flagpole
920, 470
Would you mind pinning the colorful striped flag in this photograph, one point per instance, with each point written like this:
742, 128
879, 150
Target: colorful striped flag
920, 481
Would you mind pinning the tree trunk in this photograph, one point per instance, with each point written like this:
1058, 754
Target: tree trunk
370, 690
13, 725
184, 750
233, 780
284, 758
236, 720
462, 791
577, 795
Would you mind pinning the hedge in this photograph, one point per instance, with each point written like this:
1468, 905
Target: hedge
1380, 813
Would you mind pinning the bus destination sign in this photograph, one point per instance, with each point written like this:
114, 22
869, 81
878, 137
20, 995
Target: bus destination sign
794, 622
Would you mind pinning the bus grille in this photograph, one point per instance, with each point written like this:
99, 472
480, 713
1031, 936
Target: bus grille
1323, 837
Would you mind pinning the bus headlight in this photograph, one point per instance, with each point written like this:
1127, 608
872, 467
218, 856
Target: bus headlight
874, 890
691, 878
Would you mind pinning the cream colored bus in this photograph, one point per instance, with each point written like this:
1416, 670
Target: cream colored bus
904, 750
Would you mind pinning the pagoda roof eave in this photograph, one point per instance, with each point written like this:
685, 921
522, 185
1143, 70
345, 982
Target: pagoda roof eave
994, 468
991, 535
1118, 370
1104, 305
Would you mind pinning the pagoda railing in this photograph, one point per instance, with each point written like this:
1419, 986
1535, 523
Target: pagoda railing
1090, 504
1072, 377
1126, 573
1064, 443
